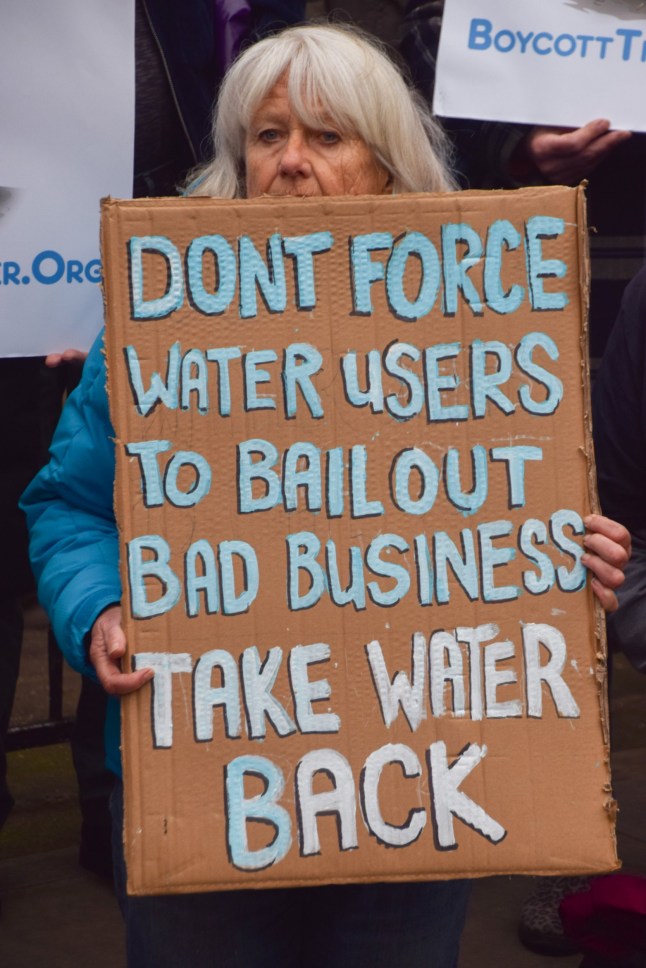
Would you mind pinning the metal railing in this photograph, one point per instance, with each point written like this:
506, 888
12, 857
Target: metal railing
57, 728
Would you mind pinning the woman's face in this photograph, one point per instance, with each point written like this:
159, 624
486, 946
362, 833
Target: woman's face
285, 157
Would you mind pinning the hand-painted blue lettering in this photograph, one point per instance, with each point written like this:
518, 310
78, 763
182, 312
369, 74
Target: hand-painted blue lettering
334, 477
364, 270
501, 234
412, 382
534, 532
259, 470
427, 479
211, 303
302, 468
200, 486
157, 567
235, 602
355, 592
526, 363
173, 298
303, 248
301, 362
425, 574
359, 503
146, 452
463, 565
466, 501
385, 567
455, 271
515, 457
492, 558
436, 382
201, 577
194, 379
262, 808
302, 550
268, 276
413, 244
569, 580
255, 375
538, 228
221, 356
160, 390
486, 385
373, 395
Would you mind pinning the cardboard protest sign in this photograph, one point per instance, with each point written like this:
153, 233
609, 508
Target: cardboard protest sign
514, 60
353, 457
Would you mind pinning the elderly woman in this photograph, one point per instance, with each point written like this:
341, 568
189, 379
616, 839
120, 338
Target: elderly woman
315, 110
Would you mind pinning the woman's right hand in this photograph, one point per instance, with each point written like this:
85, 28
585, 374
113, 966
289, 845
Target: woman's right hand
107, 648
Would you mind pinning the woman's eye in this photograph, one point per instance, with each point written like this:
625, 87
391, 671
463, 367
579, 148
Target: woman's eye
330, 137
268, 135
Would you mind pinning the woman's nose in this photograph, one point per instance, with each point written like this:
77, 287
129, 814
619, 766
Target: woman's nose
294, 159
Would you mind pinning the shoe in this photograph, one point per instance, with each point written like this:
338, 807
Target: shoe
540, 927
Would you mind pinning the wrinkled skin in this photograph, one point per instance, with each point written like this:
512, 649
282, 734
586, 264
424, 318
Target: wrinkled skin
285, 157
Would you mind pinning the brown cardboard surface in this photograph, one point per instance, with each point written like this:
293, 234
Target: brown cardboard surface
414, 717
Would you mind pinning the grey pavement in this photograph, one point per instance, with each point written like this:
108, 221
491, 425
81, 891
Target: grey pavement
56, 915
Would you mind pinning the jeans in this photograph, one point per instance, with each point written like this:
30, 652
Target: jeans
411, 925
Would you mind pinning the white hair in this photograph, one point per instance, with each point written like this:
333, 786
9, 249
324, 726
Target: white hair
337, 75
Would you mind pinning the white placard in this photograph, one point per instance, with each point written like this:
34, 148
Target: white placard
67, 129
557, 62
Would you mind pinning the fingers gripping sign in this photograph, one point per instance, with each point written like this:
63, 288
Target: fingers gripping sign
608, 550
107, 649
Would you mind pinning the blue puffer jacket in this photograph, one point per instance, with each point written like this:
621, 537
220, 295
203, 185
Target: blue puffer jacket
69, 506
74, 544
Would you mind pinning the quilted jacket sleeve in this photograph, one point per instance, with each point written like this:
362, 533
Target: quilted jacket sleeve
69, 508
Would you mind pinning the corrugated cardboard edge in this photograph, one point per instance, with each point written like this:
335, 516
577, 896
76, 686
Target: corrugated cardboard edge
601, 667
109, 212
109, 215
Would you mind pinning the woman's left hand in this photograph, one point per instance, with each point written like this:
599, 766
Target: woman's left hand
607, 551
